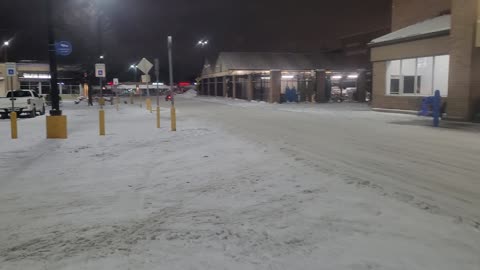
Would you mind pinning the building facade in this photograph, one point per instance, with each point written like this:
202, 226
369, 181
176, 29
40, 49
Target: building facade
36, 76
432, 47
280, 77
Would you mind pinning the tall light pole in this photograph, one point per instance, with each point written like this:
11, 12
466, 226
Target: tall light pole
170, 67
52, 54
173, 114
5, 45
134, 67
100, 79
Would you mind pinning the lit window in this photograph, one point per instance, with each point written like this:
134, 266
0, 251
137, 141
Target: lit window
418, 76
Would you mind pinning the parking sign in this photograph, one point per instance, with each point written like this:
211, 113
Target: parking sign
11, 69
100, 71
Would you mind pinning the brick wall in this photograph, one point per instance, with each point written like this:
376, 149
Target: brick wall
417, 48
464, 61
408, 12
381, 100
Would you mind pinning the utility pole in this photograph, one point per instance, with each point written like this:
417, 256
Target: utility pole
170, 67
173, 114
157, 75
53, 62
6, 54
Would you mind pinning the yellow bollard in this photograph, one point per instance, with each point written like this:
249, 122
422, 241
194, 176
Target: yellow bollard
148, 104
173, 117
13, 123
158, 117
57, 127
101, 115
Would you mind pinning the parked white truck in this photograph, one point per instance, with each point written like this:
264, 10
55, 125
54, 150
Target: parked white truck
24, 102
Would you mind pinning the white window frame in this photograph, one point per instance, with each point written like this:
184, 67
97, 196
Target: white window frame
401, 91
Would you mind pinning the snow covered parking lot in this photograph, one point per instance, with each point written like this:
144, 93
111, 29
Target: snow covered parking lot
234, 188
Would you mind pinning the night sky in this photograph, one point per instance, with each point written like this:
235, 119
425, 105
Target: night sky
132, 29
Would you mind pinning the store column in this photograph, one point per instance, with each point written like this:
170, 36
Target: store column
321, 85
275, 86
464, 62
249, 87
215, 87
361, 85
234, 87
225, 86
209, 89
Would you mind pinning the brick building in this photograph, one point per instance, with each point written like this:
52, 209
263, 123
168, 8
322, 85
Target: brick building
432, 47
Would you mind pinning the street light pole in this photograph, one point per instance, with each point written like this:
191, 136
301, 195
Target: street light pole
173, 114
53, 62
6, 44
170, 67
7, 81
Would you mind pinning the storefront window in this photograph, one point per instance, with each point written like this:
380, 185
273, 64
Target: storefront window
440, 74
425, 76
393, 77
418, 76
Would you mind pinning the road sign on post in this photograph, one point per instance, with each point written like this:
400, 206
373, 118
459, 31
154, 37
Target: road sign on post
157, 74
145, 66
11, 69
100, 71
63, 48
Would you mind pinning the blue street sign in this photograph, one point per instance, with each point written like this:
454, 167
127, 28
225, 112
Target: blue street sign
11, 69
63, 48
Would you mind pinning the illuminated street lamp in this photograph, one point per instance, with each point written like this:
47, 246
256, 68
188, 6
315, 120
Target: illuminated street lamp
202, 43
134, 67
6, 44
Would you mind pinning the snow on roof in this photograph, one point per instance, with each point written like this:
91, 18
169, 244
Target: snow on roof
265, 61
435, 26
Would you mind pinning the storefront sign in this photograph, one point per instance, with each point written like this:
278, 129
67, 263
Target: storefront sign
36, 76
63, 48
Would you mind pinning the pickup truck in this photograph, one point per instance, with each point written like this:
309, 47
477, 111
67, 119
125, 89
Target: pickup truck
24, 102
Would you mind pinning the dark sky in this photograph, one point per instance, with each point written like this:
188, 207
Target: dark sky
132, 29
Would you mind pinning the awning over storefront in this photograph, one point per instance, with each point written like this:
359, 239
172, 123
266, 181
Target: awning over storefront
437, 26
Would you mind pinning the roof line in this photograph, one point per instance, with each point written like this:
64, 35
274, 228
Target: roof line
365, 32
412, 38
